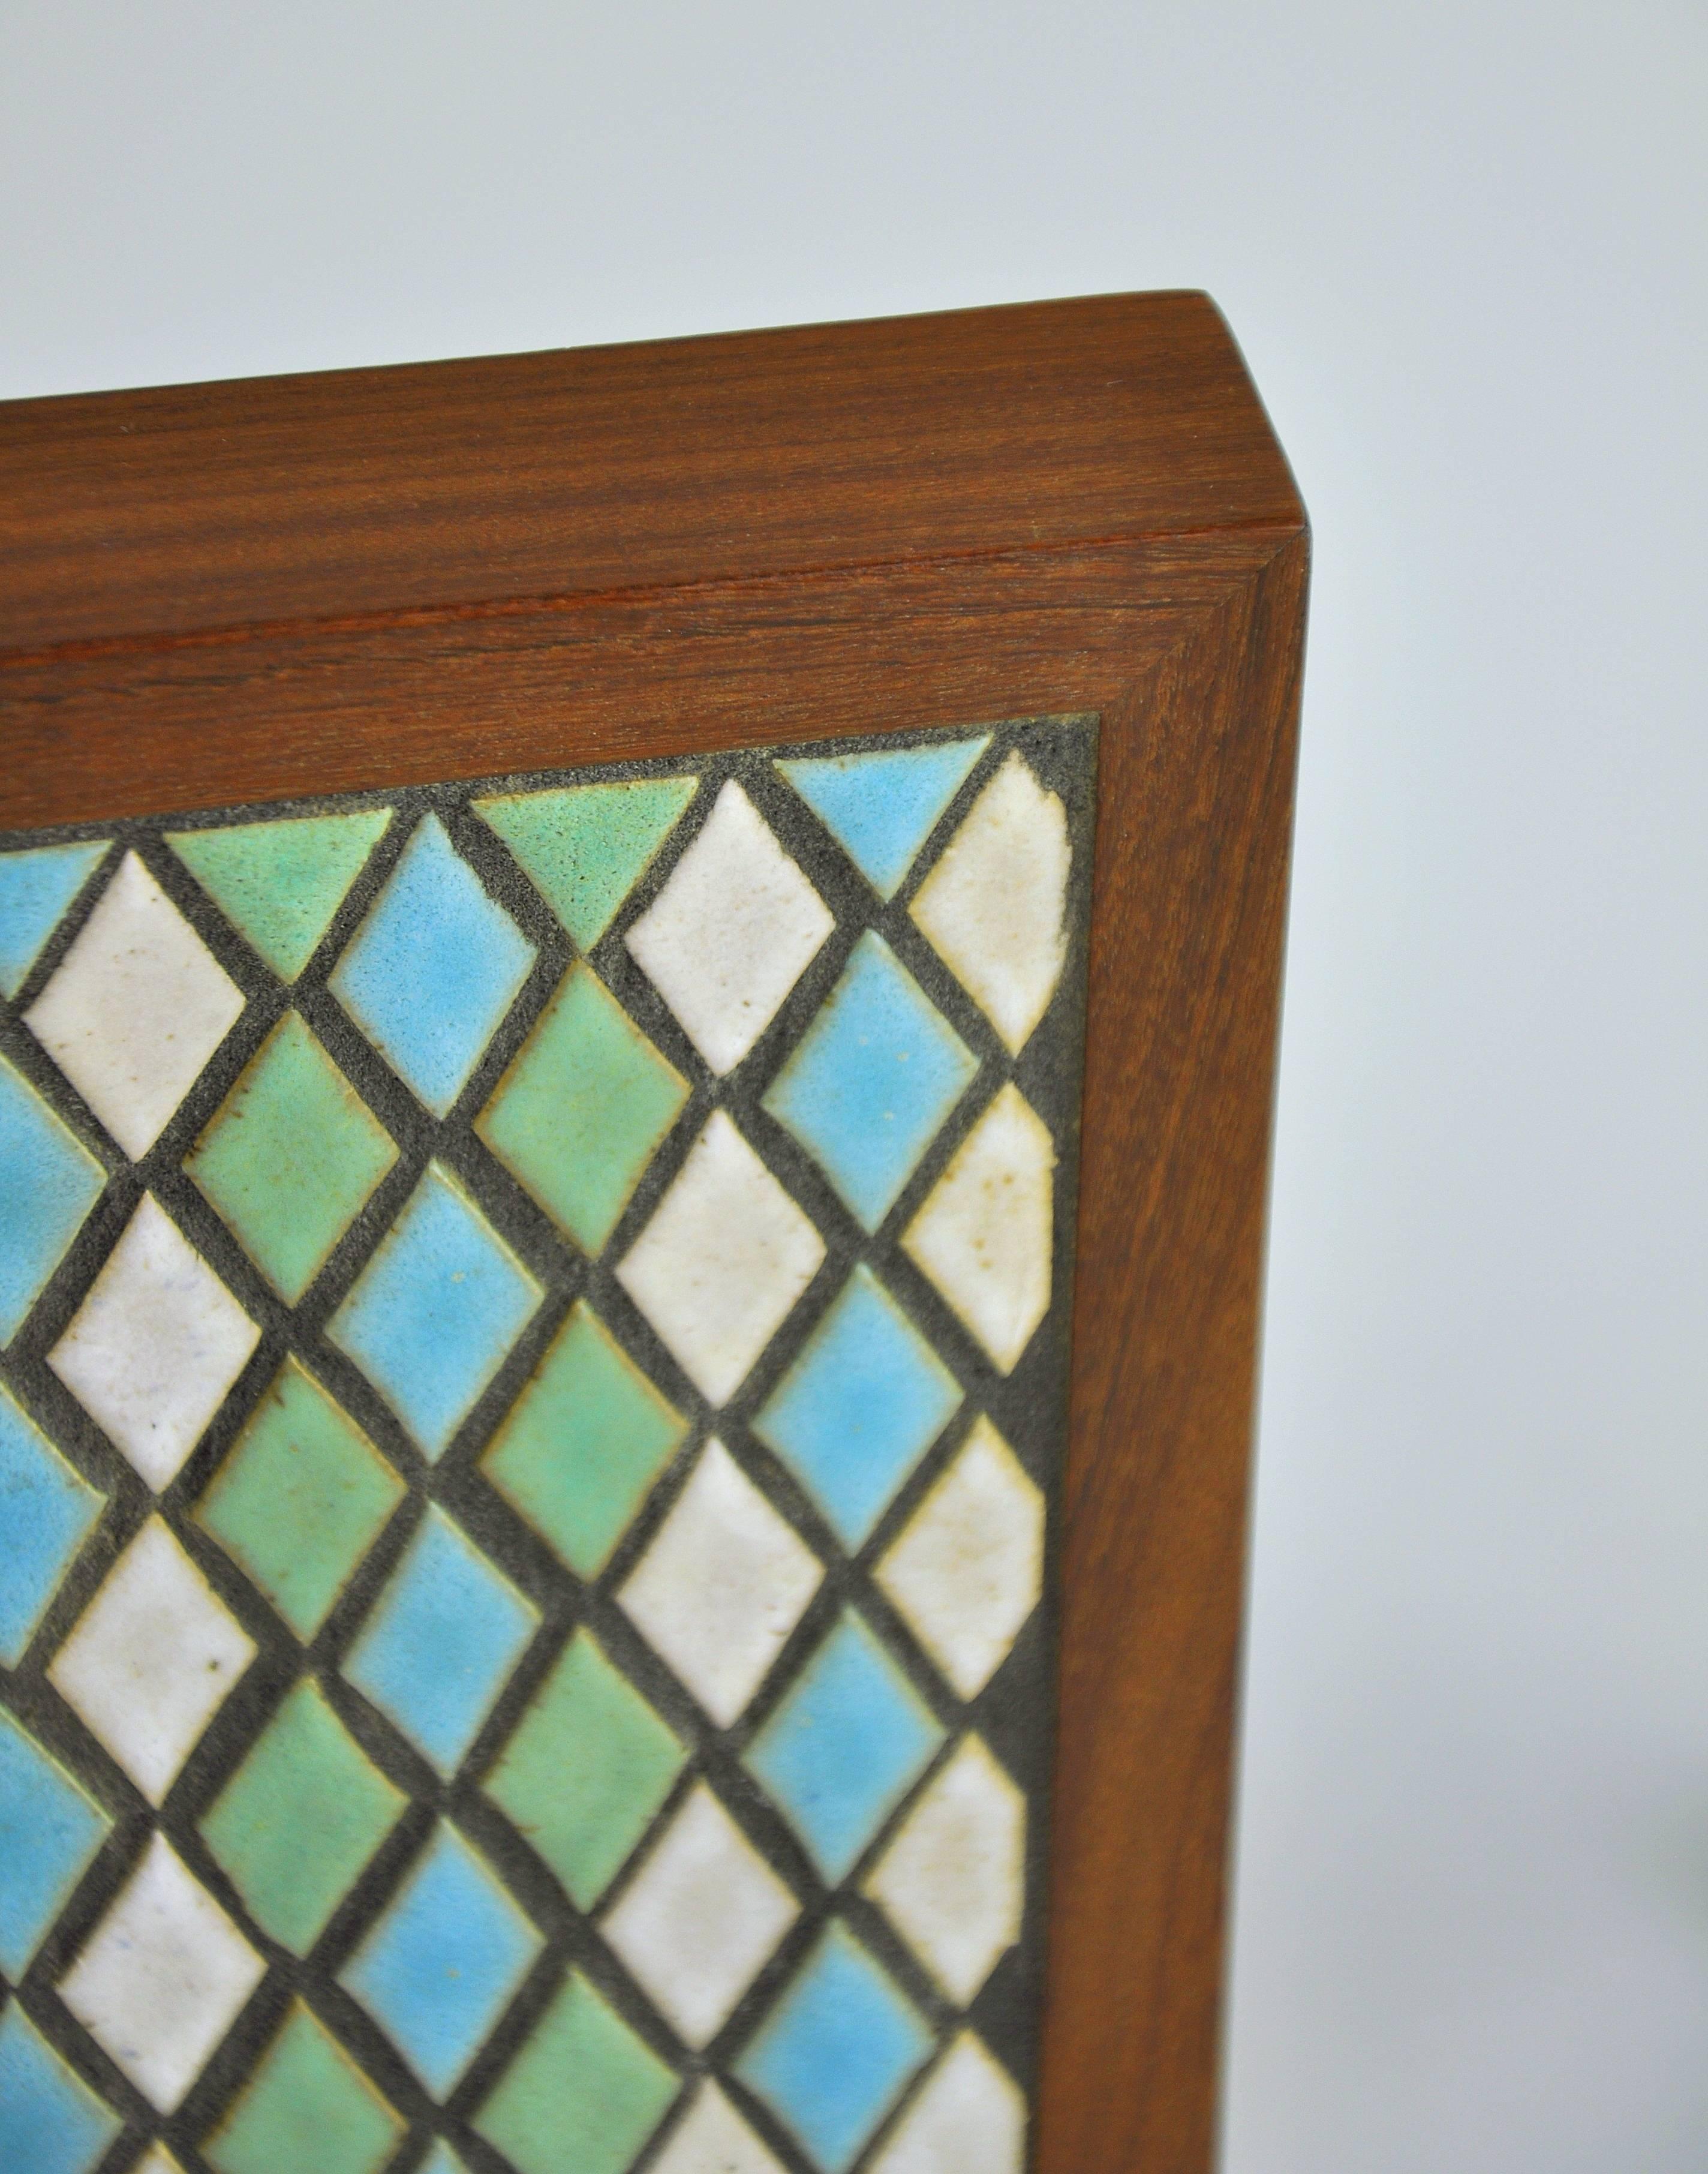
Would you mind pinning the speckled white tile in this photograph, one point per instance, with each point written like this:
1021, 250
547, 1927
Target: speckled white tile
969, 1569
984, 1235
137, 1008
953, 1880
162, 1980
970, 2118
713, 2139
995, 905
731, 931
151, 1659
726, 1255
701, 1918
725, 1581
152, 1350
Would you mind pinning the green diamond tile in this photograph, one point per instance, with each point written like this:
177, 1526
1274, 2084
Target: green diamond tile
583, 1443
299, 1819
585, 846
282, 882
308, 2109
291, 1156
587, 1769
584, 2094
299, 1500
580, 1112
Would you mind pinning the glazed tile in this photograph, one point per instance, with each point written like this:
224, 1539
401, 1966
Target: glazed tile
984, 1234
881, 806
968, 1570
994, 904
870, 1083
700, 1918
859, 1408
722, 1585
584, 847
724, 1258
135, 1008
46, 1511
304, 1779
713, 2139
441, 1641
152, 1659
300, 1498
291, 1157
159, 2161
442, 2159
731, 931
581, 1111
583, 2074
37, 887
50, 1830
281, 883
50, 2121
433, 1316
586, 1770
583, 1443
970, 2118
49, 1181
444, 1961
153, 1349
163, 1978
307, 2109
434, 968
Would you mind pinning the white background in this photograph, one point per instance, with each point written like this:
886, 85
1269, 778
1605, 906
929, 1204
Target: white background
1463, 246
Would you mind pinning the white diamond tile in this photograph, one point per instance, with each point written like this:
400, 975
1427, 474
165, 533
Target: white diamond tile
151, 1659
969, 1569
970, 2118
722, 1585
137, 1008
953, 1881
727, 1254
153, 1349
159, 2161
995, 905
701, 1919
161, 1982
713, 2139
731, 932
984, 1235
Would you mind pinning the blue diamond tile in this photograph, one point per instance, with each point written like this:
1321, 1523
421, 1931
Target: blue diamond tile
51, 2122
859, 1408
45, 1512
441, 1641
845, 1746
871, 1079
49, 1831
432, 970
49, 1181
880, 807
432, 1315
833, 2056
35, 889
444, 1960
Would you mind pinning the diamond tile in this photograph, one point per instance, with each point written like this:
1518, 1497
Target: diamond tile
36, 890
583, 1443
433, 968
969, 1569
952, 1879
722, 1585
984, 1235
585, 1773
308, 2109
444, 1961
584, 2074
859, 1408
581, 1111
881, 805
441, 1641
723, 1260
282, 882
834, 2054
970, 2118
50, 1829
135, 1010
51, 2122
731, 932
995, 905
300, 1498
46, 1510
700, 1918
49, 1181
159, 2161
304, 1775
713, 2139
162, 1979
433, 1316
291, 1156
871, 1081
442, 2159
585, 846
154, 1348
152, 1659
846, 1745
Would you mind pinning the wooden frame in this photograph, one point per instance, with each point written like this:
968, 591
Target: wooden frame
236, 593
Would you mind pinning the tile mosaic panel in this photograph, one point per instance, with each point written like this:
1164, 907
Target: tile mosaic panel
532, 1352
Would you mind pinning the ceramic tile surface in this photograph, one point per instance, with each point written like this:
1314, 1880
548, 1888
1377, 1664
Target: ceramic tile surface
533, 1322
